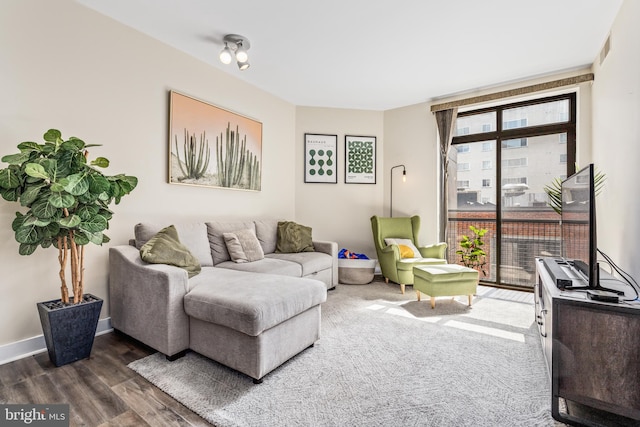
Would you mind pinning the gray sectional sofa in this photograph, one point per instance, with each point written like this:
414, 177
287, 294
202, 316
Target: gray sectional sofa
250, 316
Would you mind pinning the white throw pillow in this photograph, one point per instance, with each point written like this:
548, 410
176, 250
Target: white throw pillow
243, 246
407, 248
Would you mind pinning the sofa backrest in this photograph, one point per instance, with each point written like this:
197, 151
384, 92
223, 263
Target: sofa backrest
205, 240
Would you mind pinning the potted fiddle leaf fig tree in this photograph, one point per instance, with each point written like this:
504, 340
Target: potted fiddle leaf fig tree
65, 201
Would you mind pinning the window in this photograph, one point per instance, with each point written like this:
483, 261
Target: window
514, 124
462, 131
520, 180
462, 148
516, 149
514, 163
514, 143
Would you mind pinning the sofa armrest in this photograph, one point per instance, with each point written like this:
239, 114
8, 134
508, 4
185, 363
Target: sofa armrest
146, 300
437, 250
329, 248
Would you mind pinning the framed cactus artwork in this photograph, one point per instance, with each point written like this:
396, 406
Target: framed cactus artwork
360, 159
320, 158
213, 147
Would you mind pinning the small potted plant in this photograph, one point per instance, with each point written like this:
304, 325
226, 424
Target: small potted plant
471, 253
66, 198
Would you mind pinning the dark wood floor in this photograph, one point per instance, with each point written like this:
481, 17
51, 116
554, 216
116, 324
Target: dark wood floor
100, 391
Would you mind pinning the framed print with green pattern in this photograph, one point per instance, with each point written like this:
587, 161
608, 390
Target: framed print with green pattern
360, 159
320, 158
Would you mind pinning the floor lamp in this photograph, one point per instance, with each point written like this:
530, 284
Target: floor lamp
404, 179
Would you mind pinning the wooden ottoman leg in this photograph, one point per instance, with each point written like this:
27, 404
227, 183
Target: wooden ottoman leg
470, 298
433, 302
418, 293
402, 288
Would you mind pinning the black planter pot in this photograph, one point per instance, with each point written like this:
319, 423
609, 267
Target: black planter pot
69, 329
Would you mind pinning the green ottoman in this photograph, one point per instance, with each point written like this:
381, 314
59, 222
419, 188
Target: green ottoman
445, 280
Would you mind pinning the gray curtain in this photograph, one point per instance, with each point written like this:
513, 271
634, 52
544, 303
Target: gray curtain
445, 120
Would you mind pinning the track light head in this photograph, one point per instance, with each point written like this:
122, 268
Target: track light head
226, 55
243, 65
241, 53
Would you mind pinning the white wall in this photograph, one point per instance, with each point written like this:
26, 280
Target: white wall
616, 140
411, 140
67, 67
340, 212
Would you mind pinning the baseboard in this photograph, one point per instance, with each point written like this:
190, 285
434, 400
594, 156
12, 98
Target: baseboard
20, 349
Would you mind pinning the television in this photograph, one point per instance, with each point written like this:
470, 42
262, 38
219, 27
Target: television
578, 229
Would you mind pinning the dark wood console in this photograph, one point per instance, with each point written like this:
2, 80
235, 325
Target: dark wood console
592, 350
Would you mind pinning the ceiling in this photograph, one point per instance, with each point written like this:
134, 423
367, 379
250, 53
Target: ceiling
378, 54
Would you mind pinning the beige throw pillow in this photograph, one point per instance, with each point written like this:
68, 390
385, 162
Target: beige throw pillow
243, 246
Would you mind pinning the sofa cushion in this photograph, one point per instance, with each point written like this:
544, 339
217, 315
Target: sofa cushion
243, 246
310, 262
215, 230
267, 232
165, 248
266, 265
293, 237
249, 302
192, 235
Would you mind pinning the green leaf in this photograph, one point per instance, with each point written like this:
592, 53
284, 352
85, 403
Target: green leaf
18, 221
43, 209
98, 183
52, 135
32, 220
16, 159
95, 224
10, 195
86, 212
70, 221
30, 194
29, 146
9, 179
52, 230
62, 200
35, 170
81, 238
101, 162
78, 184
29, 234
27, 249
95, 238
73, 144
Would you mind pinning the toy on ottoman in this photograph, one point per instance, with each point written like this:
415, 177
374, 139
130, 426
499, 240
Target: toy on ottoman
445, 280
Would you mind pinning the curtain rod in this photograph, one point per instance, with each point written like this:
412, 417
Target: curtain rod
513, 92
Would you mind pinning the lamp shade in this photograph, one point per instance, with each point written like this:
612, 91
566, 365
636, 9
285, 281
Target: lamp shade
241, 53
226, 55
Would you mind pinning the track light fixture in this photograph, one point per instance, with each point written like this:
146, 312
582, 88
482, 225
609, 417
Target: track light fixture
235, 46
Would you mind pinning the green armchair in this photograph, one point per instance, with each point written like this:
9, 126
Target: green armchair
394, 266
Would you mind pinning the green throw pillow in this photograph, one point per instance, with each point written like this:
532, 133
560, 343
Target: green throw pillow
165, 248
293, 238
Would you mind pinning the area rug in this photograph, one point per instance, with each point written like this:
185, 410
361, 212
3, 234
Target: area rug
384, 359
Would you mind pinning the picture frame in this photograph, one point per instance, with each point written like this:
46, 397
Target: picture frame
320, 158
360, 159
213, 147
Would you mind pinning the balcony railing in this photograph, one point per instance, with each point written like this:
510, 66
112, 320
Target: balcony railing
524, 237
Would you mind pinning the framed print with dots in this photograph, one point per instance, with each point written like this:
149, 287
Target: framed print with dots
360, 159
320, 158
